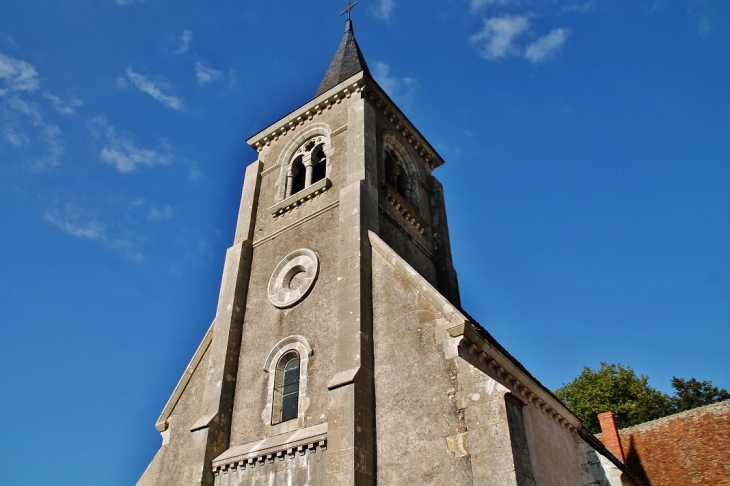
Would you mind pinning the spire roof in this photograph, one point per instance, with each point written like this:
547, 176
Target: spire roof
348, 61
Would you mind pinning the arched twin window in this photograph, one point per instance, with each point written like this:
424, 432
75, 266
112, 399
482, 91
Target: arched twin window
308, 166
285, 404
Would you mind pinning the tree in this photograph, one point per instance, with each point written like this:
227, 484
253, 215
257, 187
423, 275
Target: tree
691, 394
615, 388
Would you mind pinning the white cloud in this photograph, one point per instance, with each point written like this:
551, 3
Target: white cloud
14, 137
74, 220
546, 47
400, 89
384, 9
206, 75
580, 7
185, 39
17, 75
154, 89
63, 107
50, 135
477, 5
496, 39
71, 220
122, 152
155, 214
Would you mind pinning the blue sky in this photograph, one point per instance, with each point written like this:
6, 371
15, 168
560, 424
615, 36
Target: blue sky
588, 165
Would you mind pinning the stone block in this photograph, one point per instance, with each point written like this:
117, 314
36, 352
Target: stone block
484, 414
488, 438
493, 463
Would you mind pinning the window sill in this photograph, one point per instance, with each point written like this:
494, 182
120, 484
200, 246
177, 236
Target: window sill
405, 209
300, 197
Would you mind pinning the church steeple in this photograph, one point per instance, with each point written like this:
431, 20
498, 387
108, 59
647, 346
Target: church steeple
347, 62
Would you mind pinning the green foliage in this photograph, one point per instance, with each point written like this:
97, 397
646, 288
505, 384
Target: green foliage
691, 394
616, 388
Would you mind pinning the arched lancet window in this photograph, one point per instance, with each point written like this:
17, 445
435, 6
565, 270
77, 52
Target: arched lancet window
308, 165
319, 159
286, 389
299, 175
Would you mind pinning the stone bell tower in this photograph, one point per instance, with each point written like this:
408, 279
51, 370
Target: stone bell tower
338, 354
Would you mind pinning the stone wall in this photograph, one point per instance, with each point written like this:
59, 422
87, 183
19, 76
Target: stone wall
180, 459
415, 387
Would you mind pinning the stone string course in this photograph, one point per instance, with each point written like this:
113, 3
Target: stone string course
261, 457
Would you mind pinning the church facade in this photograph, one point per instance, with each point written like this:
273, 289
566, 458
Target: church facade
339, 353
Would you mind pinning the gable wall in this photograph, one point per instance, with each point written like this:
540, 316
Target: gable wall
414, 387
180, 460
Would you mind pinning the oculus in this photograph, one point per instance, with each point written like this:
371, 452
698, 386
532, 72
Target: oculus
293, 278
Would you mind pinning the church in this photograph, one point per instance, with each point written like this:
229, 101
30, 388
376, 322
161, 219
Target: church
339, 353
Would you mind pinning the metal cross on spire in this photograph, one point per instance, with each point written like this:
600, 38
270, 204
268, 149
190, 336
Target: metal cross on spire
350, 6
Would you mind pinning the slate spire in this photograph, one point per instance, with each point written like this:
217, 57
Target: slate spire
348, 61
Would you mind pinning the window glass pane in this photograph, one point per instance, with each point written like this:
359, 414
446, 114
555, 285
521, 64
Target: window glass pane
291, 376
290, 408
291, 364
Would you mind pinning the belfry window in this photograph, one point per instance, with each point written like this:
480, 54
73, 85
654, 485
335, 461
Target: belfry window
308, 166
397, 177
299, 175
286, 389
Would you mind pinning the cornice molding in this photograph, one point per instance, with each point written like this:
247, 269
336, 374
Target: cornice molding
270, 449
475, 349
360, 84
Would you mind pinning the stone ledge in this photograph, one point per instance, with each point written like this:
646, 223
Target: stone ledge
405, 209
280, 446
300, 197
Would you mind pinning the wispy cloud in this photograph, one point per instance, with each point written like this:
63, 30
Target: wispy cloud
185, 39
63, 107
206, 75
384, 9
477, 5
72, 220
497, 39
545, 47
703, 11
17, 75
155, 214
400, 89
580, 7
124, 3
122, 152
14, 137
48, 134
154, 88
77, 221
